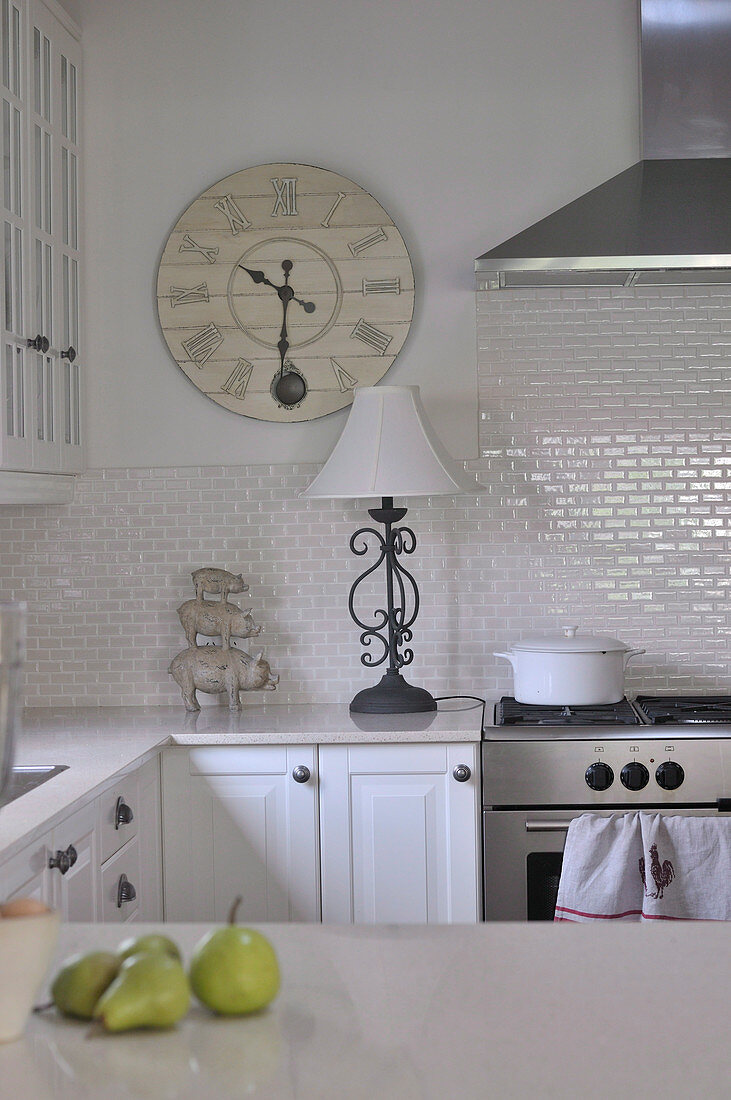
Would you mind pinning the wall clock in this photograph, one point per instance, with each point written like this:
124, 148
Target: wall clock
281, 289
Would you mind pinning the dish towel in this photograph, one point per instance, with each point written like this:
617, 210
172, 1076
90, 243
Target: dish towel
643, 866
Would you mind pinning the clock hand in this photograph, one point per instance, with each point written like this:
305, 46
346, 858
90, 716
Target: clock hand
260, 277
286, 294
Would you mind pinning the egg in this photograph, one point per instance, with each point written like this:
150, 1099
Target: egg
23, 907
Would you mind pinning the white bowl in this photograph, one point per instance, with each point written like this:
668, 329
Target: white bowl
27, 945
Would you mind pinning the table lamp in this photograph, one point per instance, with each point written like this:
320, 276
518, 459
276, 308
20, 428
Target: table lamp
389, 449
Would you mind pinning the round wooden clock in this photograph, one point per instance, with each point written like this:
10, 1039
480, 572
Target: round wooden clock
281, 289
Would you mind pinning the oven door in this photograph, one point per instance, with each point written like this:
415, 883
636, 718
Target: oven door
523, 851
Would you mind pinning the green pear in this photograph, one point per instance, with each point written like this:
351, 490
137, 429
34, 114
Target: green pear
81, 981
149, 991
234, 970
151, 944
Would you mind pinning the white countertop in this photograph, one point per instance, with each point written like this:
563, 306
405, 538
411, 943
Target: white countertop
421, 1013
98, 742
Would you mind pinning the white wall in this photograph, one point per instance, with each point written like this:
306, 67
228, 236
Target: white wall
467, 119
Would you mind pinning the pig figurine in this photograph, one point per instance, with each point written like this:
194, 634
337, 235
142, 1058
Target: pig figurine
213, 669
215, 619
217, 581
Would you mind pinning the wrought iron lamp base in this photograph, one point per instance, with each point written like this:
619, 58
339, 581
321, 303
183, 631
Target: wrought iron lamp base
391, 626
393, 695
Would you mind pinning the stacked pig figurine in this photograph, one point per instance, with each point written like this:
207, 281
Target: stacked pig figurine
213, 668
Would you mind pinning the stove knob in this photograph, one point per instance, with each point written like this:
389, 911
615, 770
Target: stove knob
599, 776
669, 775
634, 776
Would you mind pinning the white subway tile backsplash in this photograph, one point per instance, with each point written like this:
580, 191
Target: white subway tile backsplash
605, 448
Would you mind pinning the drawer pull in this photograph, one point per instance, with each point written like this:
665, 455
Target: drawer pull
125, 891
122, 813
63, 861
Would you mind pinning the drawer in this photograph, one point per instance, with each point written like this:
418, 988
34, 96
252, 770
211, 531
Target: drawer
118, 814
125, 862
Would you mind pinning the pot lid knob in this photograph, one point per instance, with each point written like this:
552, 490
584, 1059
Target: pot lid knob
570, 631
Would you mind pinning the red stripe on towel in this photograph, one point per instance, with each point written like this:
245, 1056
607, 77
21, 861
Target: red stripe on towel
615, 916
599, 916
654, 916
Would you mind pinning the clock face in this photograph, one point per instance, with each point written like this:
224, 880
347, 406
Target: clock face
281, 289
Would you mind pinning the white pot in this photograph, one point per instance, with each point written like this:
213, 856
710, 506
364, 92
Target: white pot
569, 669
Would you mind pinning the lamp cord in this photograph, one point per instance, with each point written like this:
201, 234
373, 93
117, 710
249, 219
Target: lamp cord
477, 699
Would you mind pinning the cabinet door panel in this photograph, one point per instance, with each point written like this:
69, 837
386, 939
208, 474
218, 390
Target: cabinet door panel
114, 909
249, 841
114, 834
399, 834
26, 875
40, 391
16, 432
252, 834
398, 848
44, 175
76, 892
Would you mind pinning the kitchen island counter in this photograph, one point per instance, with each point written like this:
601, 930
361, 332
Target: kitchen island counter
417, 1012
98, 743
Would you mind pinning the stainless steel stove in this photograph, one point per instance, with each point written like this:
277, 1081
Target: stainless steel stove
543, 766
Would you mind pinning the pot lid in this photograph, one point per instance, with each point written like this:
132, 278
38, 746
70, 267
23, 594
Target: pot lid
569, 640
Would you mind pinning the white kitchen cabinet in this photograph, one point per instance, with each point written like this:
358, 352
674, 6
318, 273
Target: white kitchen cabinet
236, 821
40, 371
400, 833
382, 832
82, 865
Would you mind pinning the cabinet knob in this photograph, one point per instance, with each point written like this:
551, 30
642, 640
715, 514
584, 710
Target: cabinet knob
462, 773
63, 861
301, 773
122, 813
125, 891
40, 343
69, 354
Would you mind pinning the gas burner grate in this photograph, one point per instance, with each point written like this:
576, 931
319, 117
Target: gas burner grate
508, 712
684, 709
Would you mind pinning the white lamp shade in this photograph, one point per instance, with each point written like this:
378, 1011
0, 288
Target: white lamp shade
388, 448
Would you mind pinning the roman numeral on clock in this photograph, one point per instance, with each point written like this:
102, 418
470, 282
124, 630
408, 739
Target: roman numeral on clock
371, 335
189, 245
325, 223
382, 286
344, 380
202, 345
286, 193
181, 296
236, 220
238, 379
367, 242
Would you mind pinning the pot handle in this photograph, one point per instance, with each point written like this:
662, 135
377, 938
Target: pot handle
632, 653
507, 656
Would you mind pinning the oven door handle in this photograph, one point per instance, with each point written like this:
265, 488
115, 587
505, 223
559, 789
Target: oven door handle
546, 826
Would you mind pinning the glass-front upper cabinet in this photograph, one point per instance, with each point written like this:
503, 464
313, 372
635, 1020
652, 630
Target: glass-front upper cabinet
41, 372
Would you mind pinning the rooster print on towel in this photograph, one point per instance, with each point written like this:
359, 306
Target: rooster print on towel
662, 873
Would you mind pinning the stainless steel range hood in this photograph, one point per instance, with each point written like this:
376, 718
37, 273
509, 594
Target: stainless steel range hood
666, 219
